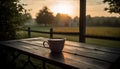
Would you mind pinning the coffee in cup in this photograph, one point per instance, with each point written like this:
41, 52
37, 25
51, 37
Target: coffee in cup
56, 45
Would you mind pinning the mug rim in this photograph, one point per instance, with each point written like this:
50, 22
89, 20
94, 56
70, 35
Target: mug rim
57, 39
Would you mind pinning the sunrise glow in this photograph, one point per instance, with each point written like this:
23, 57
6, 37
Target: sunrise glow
63, 8
70, 7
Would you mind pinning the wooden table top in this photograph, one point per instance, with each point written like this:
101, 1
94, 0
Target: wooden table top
75, 55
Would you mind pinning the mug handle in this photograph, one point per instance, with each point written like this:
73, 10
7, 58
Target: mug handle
44, 44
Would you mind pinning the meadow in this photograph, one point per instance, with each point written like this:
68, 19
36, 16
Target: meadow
97, 31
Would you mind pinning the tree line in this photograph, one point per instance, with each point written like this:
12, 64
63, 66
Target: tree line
103, 21
46, 18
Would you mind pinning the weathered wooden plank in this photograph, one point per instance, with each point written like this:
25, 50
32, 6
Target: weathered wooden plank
83, 45
91, 53
71, 60
94, 47
107, 57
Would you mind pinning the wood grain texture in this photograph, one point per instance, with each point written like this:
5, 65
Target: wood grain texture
74, 56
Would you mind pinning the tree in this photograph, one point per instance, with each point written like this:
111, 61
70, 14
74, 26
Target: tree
114, 6
88, 20
26, 17
62, 19
11, 12
45, 17
76, 20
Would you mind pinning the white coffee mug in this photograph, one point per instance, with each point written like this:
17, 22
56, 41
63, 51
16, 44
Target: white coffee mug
56, 45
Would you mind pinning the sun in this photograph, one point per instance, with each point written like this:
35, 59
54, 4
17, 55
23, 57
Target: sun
63, 8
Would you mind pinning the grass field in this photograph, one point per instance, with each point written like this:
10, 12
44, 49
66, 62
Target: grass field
98, 31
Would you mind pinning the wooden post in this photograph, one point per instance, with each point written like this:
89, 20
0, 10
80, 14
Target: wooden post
29, 34
82, 22
51, 32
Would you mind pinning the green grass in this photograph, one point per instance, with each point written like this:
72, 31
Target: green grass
40, 28
101, 42
98, 31
103, 31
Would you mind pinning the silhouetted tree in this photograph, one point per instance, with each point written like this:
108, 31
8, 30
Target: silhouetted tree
45, 17
114, 6
89, 20
11, 12
62, 19
76, 21
26, 17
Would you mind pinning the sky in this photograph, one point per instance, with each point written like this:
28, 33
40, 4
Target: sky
70, 7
